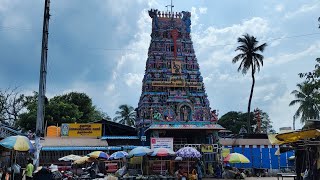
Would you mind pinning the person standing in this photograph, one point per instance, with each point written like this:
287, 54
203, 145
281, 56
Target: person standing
29, 170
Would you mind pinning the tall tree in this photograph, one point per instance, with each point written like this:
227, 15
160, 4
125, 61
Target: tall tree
67, 108
249, 58
11, 106
308, 99
126, 115
233, 121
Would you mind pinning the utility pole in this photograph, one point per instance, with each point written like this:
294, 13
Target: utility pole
42, 81
294, 122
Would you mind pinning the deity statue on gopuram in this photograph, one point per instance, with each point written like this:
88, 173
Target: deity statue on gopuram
173, 93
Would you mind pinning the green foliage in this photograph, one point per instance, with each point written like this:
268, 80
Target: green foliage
307, 97
126, 115
249, 58
67, 108
233, 121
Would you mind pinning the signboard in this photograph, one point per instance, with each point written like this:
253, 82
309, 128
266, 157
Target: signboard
81, 130
176, 82
143, 138
207, 148
162, 143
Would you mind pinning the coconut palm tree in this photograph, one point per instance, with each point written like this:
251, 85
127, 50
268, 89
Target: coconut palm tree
307, 98
249, 58
126, 115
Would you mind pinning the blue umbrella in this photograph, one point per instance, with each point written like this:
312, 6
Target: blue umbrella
140, 151
118, 155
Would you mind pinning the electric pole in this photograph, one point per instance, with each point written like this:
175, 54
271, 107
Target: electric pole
42, 81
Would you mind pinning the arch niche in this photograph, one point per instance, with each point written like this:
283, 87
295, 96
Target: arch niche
185, 111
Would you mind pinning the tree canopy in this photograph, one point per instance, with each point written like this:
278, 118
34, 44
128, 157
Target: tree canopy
66, 108
126, 115
233, 121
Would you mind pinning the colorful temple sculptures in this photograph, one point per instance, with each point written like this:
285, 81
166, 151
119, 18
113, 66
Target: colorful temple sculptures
173, 89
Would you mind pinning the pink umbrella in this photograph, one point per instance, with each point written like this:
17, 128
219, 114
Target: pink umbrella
162, 152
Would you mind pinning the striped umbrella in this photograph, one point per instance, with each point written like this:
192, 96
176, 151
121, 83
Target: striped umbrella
17, 143
236, 158
98, 155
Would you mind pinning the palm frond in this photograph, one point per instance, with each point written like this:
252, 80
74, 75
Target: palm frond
260, 48
293, 102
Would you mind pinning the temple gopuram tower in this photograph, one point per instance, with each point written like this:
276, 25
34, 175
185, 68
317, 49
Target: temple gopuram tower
173, 101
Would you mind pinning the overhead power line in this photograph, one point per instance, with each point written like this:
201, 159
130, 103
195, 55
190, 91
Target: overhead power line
70, 44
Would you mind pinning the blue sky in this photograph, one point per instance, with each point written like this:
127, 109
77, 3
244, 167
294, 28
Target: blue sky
100, 47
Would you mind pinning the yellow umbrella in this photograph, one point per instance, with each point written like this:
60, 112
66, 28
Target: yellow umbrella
236, 158
83, 160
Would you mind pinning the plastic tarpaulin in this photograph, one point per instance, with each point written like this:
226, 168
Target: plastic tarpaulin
256, 157
273, 140
265, 158
297, 135
274, 159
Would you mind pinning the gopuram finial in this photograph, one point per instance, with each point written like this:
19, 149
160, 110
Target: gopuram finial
171, 6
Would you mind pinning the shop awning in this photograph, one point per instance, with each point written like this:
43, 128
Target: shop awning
87, 148
297, 135
119, 137
193, 126
73, 148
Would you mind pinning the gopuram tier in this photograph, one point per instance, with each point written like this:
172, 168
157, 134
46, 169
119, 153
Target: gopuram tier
172, 87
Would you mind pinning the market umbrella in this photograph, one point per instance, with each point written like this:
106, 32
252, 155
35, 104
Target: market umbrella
98, 155
118, 155
138, 152
17, 143
162, 152
188, 152
70, 157
236, 158
83, 160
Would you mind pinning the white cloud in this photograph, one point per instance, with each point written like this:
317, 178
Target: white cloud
203, 10
283, 58
279, 7
132, 79
194, 17
281, 114
216, 45
307, 8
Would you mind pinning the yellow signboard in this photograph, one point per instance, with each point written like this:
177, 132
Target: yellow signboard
208, 148
81, 130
